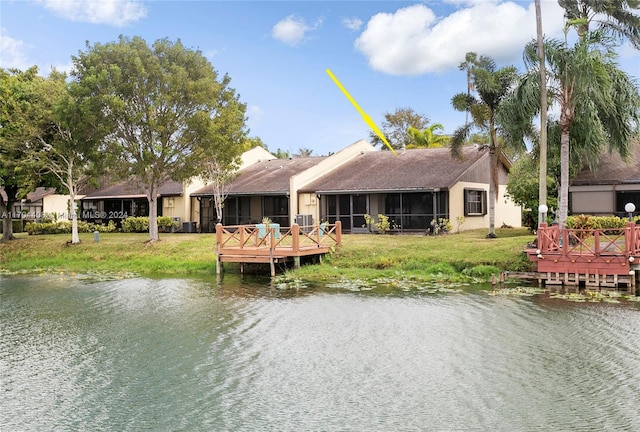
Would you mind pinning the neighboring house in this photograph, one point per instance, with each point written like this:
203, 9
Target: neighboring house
412, 189
125, 199
43, 203
606, 190
121, 200
272, 188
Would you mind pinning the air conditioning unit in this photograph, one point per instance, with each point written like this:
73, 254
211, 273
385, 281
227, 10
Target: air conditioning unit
305, 220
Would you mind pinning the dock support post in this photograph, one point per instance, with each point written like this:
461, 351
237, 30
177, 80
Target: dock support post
272, 266
296, 262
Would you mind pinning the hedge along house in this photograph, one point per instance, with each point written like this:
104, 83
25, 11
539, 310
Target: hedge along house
414, 188
613, 184
272, 188
125, 199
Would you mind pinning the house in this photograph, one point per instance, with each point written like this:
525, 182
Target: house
412, 189
128, 198
273, 188
43, 202
606, 190
116, 201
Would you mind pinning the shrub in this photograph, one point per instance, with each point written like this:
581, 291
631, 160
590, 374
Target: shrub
134, 224
140, 224
382, 225
440, 226
64, 227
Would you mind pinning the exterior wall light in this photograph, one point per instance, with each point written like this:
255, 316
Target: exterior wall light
542, 212
630, 208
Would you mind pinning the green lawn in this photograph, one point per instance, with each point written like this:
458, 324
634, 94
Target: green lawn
447, 257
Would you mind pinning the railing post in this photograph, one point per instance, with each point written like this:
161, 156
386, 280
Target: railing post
242, 237
339, 233
596, 241
564, 233
629, 237
295, 237
218, 245
541, 230
218, 235
272, 238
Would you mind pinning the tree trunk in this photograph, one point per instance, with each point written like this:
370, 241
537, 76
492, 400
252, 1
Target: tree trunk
75, 238
563, 196
152, 196
6, 209
542, 180
7, 223
71, 187
493, 180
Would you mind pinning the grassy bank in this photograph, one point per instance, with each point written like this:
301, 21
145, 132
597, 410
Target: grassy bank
449, 257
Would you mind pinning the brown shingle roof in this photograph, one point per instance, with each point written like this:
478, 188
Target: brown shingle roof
612, 169
416, 169
40, 193
134, 189
266, 177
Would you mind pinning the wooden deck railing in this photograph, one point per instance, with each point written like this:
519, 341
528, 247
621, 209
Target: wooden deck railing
611, 241
272, 237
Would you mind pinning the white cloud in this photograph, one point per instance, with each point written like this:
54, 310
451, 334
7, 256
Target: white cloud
12, 52
113, 12
413, 41
293, 30
353, 24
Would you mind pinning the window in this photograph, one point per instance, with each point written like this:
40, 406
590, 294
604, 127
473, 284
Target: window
624, 197
475, 202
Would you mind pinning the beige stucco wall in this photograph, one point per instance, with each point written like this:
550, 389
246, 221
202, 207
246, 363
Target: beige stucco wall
254, 155
506, 212
58, 204
307, 204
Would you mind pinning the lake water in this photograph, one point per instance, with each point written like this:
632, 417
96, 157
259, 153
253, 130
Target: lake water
192, 355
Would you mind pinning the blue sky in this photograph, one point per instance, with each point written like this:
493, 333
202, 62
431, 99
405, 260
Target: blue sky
388, 54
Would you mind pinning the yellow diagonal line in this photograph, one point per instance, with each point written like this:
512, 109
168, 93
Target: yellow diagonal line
367, 119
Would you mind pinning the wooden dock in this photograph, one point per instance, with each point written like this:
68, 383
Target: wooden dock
271, 244
601, 258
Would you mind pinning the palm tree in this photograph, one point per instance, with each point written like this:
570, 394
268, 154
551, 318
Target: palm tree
469, 62
598, 102
492, 85
428, 137
619, 18
542, 176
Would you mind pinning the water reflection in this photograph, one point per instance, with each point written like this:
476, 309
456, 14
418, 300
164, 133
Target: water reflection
192, 354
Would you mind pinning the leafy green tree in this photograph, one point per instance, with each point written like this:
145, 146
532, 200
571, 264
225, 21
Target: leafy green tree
395, 127
620, 18
493, 86
523, 188
19, 93
303, 153
599, 104
66, 142
163, 103
282, 154
428, 137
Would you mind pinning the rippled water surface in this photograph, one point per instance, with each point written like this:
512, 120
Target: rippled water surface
191, 355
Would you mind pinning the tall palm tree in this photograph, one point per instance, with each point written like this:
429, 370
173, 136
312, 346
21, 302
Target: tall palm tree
492, 85
428, 137
542, 176
620, 18
599, 104
470, 60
